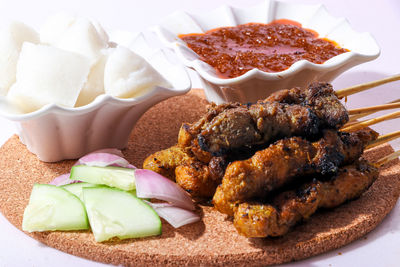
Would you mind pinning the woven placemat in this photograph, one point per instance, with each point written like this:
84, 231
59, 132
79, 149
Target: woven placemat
213, 240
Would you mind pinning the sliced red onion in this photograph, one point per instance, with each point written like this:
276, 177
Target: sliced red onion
114, 151
175, 216
150, 184
63, 180
102, 159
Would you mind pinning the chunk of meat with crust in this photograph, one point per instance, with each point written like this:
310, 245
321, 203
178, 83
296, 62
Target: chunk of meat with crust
165, 161
322, 99
231, 128
253, 219
318, 96
200, 179
286, 113
288, 96
213, 110
283, 162
260, 123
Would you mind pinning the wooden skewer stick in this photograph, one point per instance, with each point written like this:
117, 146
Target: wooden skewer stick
350, 123
355, 118
366, 123
359, 116
386, 159
373, 108
383, 139
361, 87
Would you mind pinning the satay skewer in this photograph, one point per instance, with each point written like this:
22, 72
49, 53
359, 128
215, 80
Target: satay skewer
366, 123
365, 86
276, 218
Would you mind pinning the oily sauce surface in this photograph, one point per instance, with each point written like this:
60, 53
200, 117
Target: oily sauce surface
272, 47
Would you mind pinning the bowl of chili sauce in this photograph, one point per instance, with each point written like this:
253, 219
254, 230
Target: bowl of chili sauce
245, 54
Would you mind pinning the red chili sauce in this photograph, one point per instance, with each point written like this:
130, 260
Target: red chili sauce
272, 47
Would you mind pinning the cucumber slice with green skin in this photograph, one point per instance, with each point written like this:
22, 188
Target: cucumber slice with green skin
116, 213
76, 188
122, 178
53, 208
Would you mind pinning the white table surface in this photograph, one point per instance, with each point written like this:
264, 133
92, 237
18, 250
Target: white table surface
381, 18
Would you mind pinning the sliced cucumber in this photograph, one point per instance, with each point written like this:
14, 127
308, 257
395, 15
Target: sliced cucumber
118, 177
76, 188
113, 212
53, 208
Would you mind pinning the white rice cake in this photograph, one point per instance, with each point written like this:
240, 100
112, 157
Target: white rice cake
94, 85
48, 75
127, 74
11, 40
77, 35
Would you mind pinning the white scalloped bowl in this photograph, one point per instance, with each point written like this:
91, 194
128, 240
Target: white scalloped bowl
55, 133
257, 84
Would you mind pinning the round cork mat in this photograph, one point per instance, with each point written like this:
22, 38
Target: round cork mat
213, 240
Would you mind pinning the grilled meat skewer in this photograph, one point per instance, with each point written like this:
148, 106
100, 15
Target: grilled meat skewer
291, 207
165, 161
259, 123
283, 114
192, 168
189, 150
321, 98
283, 161
201, 179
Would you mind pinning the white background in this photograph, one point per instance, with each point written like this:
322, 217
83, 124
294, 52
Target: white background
381, 18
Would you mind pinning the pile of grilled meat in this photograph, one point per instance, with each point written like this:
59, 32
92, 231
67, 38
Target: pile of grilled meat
271, 164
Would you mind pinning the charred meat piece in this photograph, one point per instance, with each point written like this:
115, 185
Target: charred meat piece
199, 179
286, 113
287, 96
179, 164
165, 161
253, 219
234, 127
284, 161
195, 128
321, 98
260, 123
